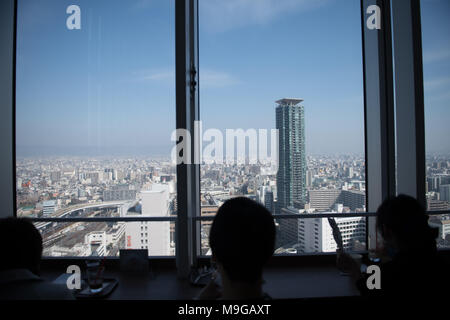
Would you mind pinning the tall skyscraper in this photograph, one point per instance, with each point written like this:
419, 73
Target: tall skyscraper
291, 176
268, 200
265, 197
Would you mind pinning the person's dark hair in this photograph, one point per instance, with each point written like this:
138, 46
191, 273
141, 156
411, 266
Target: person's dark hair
20, 245
242, 238
408, 221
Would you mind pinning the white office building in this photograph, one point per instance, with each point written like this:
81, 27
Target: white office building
154, 236
104, 242
48, 207
443, 223
316, 235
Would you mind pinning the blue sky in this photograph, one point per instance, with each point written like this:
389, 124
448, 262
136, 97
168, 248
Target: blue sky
436, 73
109, 87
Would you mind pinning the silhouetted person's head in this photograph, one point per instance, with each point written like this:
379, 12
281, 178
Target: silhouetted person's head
242, 239
403, 223
20, 245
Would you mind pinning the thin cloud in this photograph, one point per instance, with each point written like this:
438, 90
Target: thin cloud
436, 55
166, 75
163, 76
208, 78
436, 83
220, 15
445, 97
142, 4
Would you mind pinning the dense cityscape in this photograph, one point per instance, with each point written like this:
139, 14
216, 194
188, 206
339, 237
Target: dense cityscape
86, 187
51, 187
48, 187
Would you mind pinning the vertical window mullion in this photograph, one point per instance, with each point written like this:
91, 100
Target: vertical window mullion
409, 98
378, 112
187, 112
7, 102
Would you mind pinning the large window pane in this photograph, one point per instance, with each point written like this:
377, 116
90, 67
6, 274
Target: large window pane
282, 65
95, 110
436, 74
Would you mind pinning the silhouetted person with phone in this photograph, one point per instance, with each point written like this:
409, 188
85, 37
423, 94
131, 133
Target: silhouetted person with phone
242, 240
409, 265
21, 250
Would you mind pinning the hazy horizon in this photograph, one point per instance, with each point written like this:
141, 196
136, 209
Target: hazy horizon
109, 88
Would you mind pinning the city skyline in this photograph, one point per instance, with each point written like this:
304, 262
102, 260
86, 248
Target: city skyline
73, 187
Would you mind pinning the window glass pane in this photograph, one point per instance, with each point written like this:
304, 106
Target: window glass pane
267, 65
436, 74
95, 109
436, 77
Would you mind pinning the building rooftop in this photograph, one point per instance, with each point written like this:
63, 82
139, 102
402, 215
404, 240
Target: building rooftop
157, 188
289, 101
